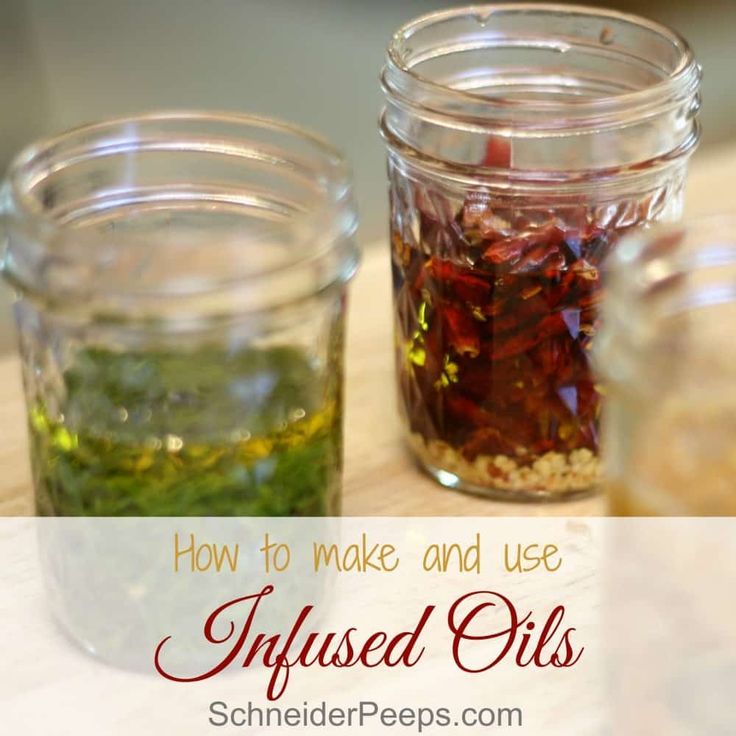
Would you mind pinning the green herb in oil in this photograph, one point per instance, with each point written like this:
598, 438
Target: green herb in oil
200, 433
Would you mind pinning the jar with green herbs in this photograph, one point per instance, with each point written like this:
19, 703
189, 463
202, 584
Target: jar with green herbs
181, 288
523, 141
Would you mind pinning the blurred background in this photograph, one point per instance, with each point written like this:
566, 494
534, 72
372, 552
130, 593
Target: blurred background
314, 62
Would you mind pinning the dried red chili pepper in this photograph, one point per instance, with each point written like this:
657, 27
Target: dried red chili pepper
513, 250
487, 441
461, 282
467, 411
553, 324
498, 153
507, 251
462, 334
504, 304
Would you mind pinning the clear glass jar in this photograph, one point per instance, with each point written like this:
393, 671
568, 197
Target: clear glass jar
667, 353
181, 284
523, 141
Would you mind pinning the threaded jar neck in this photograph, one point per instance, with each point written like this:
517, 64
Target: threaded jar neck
570, 89
176, 216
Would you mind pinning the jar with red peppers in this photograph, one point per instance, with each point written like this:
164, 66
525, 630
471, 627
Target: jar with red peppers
523, 142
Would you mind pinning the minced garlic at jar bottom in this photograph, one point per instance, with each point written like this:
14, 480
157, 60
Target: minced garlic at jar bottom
577, 472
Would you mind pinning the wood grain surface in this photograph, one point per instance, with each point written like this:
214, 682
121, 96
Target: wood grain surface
380, 479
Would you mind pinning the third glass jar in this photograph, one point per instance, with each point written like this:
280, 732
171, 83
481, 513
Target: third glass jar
523, 142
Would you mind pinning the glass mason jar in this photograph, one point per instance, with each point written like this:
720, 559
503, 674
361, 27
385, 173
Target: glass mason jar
181, 283
667, 353
523, 141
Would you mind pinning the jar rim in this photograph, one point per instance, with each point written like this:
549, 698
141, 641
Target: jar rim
31, 153
330, 223
682, 81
